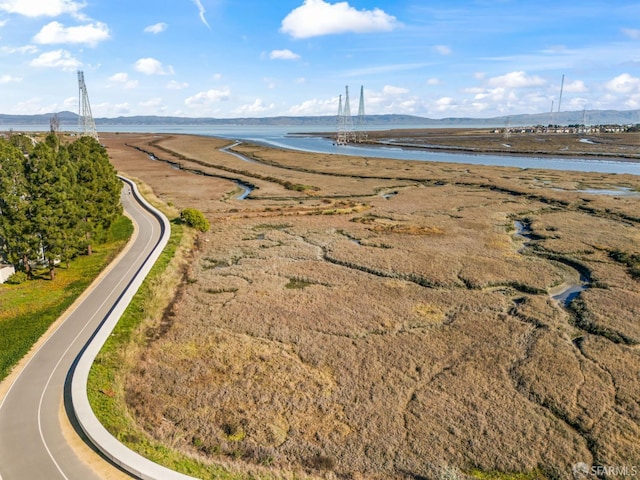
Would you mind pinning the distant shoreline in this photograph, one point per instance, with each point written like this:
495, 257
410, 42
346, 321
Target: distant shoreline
386, 138
450, 140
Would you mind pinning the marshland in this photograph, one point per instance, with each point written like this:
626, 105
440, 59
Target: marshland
358, 317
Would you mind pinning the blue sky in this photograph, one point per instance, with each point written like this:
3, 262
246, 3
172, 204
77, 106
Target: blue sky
259, 58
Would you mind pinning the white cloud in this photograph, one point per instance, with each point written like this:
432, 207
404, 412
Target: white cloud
156, 28
41, 8
442, 49
391, 100
391, 90
632, 33
153, 103
208, 97
23, 50
576, 103
479, 107
445, 103
71, 103
488, 94
174, 85
252, 109
624, 83
8, 79
577, 86
109, 110
123, 78
202, 11
433, 81
516, 80
119, 77
217, 76
55, 32
151, 66
34, 105
121, 108
315, 107
317, 17
56, 59
283, 55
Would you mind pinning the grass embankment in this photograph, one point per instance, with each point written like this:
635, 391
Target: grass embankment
30, 308
141, 322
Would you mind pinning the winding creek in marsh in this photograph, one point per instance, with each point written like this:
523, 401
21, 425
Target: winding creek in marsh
565, 294
246, 187
464, 316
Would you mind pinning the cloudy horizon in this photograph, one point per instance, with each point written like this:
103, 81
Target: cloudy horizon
218, 58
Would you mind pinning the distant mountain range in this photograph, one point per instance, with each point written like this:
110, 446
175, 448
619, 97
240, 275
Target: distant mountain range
591, 117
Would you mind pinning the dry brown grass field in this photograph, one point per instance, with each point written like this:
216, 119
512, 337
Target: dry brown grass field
369, 318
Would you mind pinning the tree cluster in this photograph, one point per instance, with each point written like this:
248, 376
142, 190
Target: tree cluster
55, 199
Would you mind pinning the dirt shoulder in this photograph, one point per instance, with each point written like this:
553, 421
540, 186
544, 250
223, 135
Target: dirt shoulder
372, 318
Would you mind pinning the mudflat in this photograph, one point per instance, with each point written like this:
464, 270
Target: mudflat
371, 318
577, 142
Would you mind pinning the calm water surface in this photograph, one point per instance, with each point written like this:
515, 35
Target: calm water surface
289, 137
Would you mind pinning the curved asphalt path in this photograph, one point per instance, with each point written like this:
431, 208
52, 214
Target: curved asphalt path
32, 445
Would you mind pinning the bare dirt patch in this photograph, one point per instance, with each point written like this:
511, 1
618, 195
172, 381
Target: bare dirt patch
386, 321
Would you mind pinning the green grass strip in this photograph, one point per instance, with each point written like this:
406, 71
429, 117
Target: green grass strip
29, 309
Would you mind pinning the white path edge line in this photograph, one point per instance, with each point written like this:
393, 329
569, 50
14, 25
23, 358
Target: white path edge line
119, 454
44, 391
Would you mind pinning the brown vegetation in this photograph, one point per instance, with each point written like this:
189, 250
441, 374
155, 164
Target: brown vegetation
490, 140
388, 322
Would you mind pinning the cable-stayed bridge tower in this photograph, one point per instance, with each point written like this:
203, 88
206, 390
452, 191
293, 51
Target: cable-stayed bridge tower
85, 119
346, 131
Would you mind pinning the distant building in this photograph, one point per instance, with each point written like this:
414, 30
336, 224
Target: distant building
5, 272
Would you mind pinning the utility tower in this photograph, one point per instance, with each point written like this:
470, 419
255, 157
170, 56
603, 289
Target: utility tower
85, 119
561, 89
346, 132
361, 134
54, 124
339, 119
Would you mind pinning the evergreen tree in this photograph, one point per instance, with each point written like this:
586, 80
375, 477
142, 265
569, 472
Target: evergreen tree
98, 188
23, 142
49, 183
55, 199
19, 240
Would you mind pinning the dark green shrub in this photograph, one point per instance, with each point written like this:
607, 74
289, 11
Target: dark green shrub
195, 219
